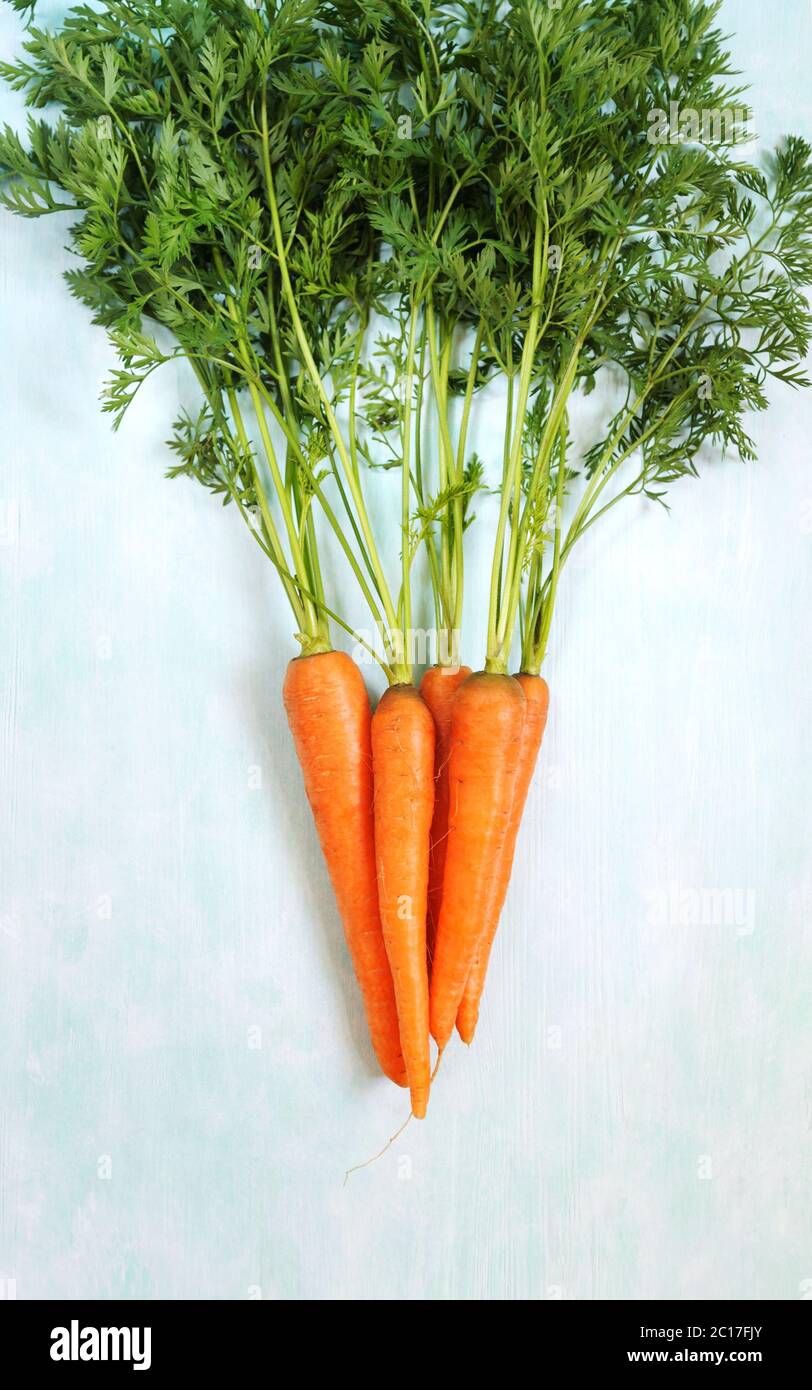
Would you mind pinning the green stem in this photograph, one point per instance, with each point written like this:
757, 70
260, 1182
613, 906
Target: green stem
265, 511
405, 493
537, 643
497, 577
445, 466
353, 482
499, 632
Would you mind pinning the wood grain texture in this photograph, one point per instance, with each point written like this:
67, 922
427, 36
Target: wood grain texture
183, 1068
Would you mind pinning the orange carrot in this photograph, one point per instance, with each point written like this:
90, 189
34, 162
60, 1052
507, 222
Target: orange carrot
486, 730
330, 719
403, 767
537, 699
438, 688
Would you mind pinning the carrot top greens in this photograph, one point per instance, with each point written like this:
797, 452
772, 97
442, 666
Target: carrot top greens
577, 246
351, 217
209, 184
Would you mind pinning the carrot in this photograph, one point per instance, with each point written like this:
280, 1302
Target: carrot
537, 699
330, 719
438, 688
403, 766
486, 730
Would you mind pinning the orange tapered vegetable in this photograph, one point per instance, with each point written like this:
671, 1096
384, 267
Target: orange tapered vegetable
537, 699
486, 731
438, 688
403, 765
330, 719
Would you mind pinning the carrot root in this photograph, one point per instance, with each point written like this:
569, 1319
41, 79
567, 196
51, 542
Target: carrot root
330, 719
403, 765
486, 728
537, 700
438, 688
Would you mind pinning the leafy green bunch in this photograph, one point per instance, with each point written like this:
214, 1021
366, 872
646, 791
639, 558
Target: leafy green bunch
350, 216
407, 158
206, 178
677, 269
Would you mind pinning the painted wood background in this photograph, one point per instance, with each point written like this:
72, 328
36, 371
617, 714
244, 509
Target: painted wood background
183, 1071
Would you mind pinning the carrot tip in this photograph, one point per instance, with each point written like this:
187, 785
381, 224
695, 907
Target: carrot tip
420, 1104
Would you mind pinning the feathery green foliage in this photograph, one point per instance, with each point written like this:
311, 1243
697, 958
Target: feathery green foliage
350, 217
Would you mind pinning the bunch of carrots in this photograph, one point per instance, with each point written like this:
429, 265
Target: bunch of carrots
420, 842
354, 226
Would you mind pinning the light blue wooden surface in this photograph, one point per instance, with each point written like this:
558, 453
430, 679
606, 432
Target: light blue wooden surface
183, 1071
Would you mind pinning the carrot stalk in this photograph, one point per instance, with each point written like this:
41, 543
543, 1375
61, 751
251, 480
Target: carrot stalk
486, 731
537, 699
403, 765
330, 718
438, 688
